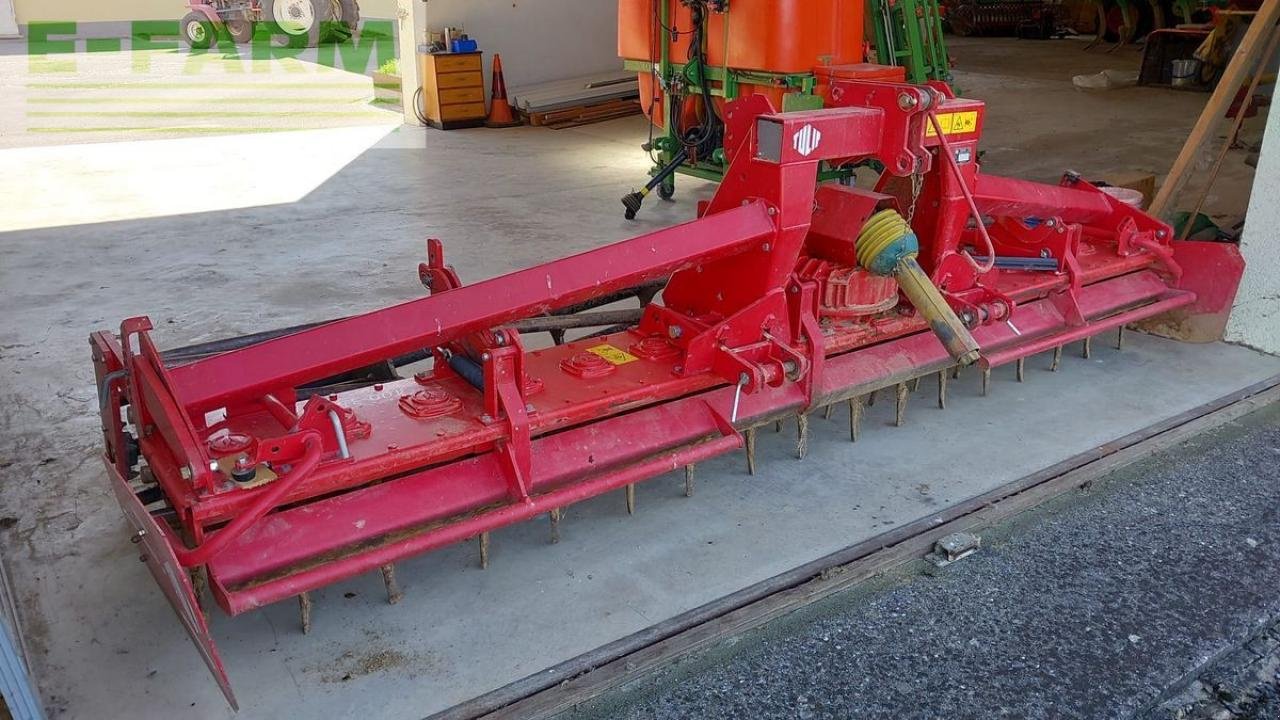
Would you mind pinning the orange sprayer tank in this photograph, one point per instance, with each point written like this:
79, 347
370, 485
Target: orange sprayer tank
777, 36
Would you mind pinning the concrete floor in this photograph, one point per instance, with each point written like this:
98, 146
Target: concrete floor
104, 642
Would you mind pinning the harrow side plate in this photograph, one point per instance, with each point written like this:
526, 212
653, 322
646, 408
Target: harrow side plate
157, 542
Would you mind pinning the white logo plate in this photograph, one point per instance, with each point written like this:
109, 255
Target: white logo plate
806, 140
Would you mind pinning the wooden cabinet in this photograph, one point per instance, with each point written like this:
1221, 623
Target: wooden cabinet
453, 89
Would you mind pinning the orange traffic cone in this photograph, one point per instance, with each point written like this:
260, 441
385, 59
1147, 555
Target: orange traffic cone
500, 115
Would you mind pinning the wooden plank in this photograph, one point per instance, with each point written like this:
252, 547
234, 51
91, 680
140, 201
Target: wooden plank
543, 93
1242, 61
579, 680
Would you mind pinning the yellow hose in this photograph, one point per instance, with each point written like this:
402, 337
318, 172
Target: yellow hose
880, 231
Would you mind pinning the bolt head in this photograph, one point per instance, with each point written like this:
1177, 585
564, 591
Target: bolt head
675, 331
766, 247
906, 101
186, 472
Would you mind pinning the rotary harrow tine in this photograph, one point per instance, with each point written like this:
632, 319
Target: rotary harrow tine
777, 425
630, 492
1021, 368
394, 594
688, 481
802, 435
915, 384
304, 612
1120, 338
900, 405
827, 411
1057, 359
955, 373
986, 381
1086, 348
942, 389
871, 398
856, 405
555, 516
750, 438
484, 551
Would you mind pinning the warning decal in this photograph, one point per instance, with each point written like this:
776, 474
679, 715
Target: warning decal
612, 354
955, 123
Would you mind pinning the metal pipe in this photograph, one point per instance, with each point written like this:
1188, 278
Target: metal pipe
570, 322
270, 498
342, 435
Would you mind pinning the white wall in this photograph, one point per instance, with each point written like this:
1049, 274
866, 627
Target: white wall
539, 40
1255, 320
8, 21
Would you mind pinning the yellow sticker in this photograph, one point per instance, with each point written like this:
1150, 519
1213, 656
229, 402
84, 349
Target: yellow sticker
612, 354
955, 123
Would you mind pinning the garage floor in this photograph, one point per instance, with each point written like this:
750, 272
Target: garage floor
347, 237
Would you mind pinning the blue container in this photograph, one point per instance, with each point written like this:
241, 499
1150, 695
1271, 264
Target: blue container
464, 46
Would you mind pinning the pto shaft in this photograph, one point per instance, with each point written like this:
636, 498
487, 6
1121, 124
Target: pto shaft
887, 246
942, 319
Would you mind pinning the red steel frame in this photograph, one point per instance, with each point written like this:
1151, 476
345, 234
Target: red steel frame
369, 476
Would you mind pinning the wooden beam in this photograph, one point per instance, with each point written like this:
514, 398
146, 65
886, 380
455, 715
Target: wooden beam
1242, 61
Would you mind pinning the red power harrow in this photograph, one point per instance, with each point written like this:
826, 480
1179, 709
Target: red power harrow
272, 465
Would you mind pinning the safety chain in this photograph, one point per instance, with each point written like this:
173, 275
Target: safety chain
917, 184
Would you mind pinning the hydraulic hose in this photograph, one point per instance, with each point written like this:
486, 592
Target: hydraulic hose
268, 500
887, 246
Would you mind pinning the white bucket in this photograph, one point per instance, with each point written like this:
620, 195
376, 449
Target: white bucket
1128, 196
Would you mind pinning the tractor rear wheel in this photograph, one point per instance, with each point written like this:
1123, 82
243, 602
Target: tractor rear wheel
312, 21
298, 22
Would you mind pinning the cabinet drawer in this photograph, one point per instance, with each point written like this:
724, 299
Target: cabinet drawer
462, 112
459, 80
457, 63
462, 95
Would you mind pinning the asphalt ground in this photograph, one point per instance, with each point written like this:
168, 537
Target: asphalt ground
1150, 594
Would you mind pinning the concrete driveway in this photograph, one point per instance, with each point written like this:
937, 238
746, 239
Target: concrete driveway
84, 137
111, 96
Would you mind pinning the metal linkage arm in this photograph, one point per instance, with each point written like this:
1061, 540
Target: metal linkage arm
358, 341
